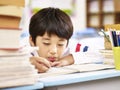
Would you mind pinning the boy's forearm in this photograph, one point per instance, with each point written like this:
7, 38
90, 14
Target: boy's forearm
68, 59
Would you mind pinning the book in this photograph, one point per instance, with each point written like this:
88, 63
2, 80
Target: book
16, 69
10, 38
9, 21
18, 82
13, 2
108, 56
17, 73
106, 52
11, 11
17, 52
10, 16
75, 68
11, 75
12, 52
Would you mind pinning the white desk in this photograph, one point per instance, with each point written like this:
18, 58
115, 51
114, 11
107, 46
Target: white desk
98, 80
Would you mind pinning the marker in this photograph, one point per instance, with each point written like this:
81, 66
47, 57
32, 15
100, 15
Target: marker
78, 47
114, 38
85, 49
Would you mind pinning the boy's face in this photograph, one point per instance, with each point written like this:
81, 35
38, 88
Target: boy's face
50, 47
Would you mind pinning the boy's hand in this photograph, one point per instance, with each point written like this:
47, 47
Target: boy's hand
67, 60
40, 63
60, 63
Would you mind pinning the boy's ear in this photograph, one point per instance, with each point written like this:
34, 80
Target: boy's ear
31, 41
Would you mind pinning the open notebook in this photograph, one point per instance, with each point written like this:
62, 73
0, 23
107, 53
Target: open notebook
75, 68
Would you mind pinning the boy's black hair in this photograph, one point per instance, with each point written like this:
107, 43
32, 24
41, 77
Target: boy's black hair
50, 20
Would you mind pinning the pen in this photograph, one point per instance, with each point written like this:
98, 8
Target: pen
114, 38
119, 40
118, 37
85, 49
78, 47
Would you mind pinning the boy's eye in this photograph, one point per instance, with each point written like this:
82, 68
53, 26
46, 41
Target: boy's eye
60, 44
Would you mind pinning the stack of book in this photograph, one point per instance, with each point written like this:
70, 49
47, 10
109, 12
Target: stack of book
15, 67
11, 13
10, 18
107, 56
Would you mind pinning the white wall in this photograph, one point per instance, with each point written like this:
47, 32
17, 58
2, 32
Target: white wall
79, 21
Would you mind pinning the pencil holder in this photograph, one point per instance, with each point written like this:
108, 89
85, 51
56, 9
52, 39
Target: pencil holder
116, 54
107, 44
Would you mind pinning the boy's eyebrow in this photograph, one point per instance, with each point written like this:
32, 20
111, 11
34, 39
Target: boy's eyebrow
62, 39
46, 38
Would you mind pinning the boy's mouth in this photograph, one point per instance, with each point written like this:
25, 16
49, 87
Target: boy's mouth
52, 59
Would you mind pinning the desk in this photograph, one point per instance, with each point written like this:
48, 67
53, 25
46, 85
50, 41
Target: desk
38, 85
97, 80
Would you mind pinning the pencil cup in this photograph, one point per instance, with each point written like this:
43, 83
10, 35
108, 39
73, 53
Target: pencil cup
116, 54
107, 44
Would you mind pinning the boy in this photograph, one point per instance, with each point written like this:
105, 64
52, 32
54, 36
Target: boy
50, 29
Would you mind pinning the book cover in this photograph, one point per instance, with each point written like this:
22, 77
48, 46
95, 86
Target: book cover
13, 2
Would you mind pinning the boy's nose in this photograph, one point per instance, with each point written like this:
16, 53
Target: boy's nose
53, 50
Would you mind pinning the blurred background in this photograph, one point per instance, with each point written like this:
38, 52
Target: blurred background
75, 8
88, 16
